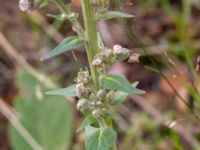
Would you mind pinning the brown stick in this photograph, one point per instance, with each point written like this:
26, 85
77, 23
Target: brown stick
14, 55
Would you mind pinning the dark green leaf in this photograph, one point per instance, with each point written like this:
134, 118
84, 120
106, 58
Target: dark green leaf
114, 14
99, 138
119, 83
69, 91
121, 97
87, 121
46, 118
67, 44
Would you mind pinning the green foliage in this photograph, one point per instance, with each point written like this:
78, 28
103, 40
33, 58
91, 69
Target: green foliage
113, 14
67, 44
119, 83
46, 118
69, 91
121, 97
87, 121
99, 138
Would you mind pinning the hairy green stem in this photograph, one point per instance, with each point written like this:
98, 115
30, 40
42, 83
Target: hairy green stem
90, 32
91, 37
92, 46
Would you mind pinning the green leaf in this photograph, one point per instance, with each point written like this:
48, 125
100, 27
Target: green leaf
69, 91
100, 41
114, 14
119, 83
67, 44
46, 118
87, 121
121, 97
99, 138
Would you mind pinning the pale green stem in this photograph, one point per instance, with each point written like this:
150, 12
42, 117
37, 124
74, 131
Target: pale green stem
91, 37
92, 46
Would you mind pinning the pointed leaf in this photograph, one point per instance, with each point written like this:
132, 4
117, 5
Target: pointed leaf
121, 97
114, 14
67, 44
119, 83
87, 121
99, 138
69, 91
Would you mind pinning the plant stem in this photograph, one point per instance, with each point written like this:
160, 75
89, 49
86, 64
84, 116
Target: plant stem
92, 46
91, 36
90, 31
65, 10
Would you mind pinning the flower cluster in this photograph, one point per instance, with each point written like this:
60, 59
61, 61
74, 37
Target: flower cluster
96, 102
106, 57
90, 100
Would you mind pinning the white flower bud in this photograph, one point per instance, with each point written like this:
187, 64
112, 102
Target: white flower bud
96, 62
96, 113
98, 103
117, 49
93, 103
134, 58
82, 104
80, 89
101, 93
25, 5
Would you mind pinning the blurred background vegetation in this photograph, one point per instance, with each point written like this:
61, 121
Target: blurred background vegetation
166, 33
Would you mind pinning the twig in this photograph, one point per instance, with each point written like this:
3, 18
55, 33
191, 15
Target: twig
14, 55
159, 117
8, 113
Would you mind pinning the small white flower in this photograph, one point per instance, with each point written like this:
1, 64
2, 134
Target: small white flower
96, 62
25, 5
134, 58
80, 89
117, 49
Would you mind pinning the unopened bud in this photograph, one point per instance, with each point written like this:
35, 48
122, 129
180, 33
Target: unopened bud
101, 93
83, 77
96, 113
110, 96
98, 103
96, 62
134, 58
82, 105
80, 89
